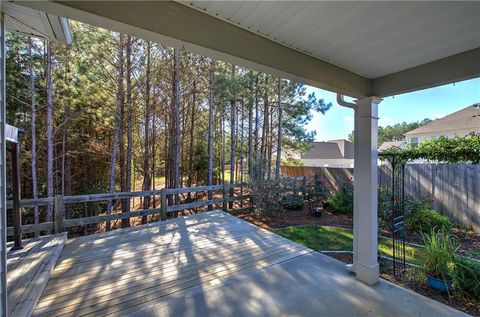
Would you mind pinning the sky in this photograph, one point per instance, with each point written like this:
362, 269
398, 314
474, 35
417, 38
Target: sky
431, 103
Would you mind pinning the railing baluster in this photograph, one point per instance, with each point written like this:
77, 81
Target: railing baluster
59, 214
163, 204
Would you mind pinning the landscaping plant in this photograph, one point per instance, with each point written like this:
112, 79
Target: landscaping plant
319, 191
412, 204
293, 201
267, 195
425, 220
342, 200
467, 277
439, 250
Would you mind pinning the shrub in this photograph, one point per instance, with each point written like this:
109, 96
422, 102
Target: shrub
342, 200
467, 277
267, 195
439, 251
412, 204
293, 201
427, 220
318, 191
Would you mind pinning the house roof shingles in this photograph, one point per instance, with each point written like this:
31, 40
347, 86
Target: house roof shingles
465, 119
390, 144
333, 149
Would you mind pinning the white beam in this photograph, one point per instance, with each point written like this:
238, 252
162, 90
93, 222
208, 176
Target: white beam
365, 196
447, 70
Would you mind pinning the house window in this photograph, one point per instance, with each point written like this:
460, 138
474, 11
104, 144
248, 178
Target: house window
414, 142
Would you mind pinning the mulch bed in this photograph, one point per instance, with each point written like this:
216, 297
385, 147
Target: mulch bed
413, 280
298, 218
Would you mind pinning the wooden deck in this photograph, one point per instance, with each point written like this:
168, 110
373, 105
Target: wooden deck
124, 271
28, 271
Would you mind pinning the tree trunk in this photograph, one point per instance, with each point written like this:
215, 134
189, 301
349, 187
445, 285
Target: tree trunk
50, 141
128, 175
210, 132
232, 139
146, 165
153, 141
257, 122
222, 153
66, 162
242, 154
250, 129
192, 131
36, 216
279, 135
176, 122
117, 124
265, 133
270, 145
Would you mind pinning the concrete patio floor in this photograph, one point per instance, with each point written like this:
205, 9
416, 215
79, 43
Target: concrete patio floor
213, 264
309, 285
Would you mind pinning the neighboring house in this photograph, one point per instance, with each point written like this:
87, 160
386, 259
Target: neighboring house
459, 123
398, 144
333, 153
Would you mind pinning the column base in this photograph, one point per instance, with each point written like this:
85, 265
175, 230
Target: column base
350, 268
367, 274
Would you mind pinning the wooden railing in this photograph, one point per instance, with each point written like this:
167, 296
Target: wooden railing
60, 223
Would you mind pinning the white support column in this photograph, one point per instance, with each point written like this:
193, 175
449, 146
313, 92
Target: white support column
365, 195
3, 182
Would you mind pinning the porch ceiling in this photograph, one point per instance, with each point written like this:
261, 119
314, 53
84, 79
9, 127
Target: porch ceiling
354, 48
372, 39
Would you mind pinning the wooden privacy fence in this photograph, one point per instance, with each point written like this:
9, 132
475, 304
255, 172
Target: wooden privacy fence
332, 177
453, 188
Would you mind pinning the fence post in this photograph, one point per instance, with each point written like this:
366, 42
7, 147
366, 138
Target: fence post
225, 197
304, 189
59, 214
163, 204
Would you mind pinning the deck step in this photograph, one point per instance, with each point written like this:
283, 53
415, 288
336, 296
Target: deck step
28, 271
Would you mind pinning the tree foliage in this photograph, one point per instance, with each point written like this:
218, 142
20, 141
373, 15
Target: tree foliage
104, 81
395, 132
459, 149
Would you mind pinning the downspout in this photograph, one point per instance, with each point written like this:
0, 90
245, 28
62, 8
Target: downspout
346, 104
341, 101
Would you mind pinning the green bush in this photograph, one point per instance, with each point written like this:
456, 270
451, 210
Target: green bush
439, 250
412, 204
467, 277
267, 195
318, 189
293, 201
342, 200
426, 220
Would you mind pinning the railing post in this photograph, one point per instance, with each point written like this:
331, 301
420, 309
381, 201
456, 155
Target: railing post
163, 204
225, 197
59, 214
17, 217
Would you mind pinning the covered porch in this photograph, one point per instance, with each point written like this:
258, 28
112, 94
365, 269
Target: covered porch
380, 59
212, 264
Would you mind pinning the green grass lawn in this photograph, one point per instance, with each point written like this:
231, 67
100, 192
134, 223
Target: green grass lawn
337, 239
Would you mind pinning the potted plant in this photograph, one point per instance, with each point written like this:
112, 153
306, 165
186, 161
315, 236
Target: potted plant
438, 262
